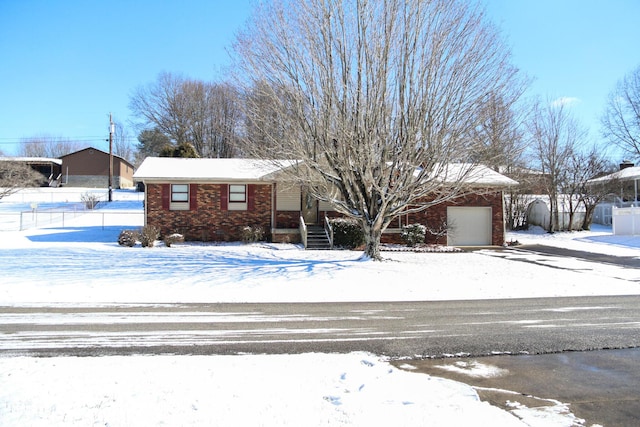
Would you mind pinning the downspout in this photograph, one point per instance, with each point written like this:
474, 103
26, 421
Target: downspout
504, 222
146, 202
273, 209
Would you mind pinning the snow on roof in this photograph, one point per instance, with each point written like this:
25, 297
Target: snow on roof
31, 160
155, 168
626, 174
474, 174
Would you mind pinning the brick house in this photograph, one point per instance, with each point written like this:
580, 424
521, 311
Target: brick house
213, 199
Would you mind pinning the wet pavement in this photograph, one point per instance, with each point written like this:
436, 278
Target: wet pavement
602, 387
622, 261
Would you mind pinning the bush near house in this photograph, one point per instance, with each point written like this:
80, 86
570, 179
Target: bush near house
128, 238
414, 234
148, 235
252, 234
173, 238
347, 233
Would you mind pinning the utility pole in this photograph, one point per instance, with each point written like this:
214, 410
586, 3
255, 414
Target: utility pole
111, 131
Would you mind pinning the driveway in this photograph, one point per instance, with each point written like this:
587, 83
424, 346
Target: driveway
622, 261
600, 387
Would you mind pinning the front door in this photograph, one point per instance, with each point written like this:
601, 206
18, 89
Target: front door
309, 208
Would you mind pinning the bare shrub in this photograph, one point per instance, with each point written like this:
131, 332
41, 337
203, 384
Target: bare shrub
148, 235
252, 234
173, 238
128, 238
439, 230
89, 200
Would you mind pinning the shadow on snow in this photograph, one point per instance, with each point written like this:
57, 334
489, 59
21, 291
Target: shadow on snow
191, 262
91, 234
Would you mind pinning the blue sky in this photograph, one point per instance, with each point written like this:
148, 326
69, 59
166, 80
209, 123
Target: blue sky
65, 65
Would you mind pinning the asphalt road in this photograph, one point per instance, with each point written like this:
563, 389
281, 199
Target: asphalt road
550, 337
396, 330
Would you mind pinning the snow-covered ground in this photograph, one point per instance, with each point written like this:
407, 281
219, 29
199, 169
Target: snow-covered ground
81, 263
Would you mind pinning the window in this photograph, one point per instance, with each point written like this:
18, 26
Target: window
237, 193
179, 193
237, 197
179, 197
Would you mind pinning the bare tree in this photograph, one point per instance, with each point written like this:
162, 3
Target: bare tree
498, 136
15, 176
215, 116
121, 145
262, 124
48, 146
583, 167
379, 98
162, 105
555, 135
621, 120
499, 143
205, 115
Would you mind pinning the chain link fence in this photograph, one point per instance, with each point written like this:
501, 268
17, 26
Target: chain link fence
32, 209
19, 221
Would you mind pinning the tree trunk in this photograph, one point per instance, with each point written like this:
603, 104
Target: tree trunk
553, 215
588, 217
372, 235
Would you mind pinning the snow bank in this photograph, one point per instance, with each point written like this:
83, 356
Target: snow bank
286, 390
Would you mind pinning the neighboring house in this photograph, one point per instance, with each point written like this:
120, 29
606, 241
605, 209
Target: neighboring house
620, 209
49, 168
214, 199
90, 168
626, 179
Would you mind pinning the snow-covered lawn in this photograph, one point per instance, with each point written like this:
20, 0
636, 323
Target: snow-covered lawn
81, 263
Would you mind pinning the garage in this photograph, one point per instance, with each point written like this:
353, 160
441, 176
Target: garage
469, 226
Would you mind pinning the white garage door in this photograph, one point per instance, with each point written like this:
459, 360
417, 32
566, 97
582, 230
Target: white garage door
468, 226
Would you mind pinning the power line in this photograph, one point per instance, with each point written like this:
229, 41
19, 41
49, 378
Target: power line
49, 137
11, 141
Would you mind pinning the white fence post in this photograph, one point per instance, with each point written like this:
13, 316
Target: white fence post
625, 221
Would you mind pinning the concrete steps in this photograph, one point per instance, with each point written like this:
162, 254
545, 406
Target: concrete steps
317, 238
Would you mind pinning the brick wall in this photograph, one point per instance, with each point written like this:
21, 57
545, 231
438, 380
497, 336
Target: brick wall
437, 215
287, 219
208, 221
